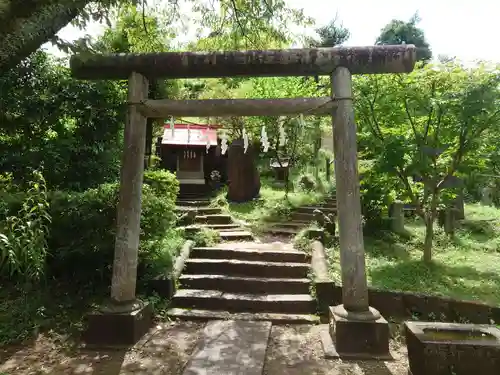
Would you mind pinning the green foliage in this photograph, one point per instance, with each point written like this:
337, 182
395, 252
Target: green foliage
306, 182
69, 129
429, 125
398, 32
164, 183
204, 237
247, 24
465, 267
23, 237
92, 214
330, 35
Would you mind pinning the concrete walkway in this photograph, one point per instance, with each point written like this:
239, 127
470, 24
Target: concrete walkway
231, 347
168, 350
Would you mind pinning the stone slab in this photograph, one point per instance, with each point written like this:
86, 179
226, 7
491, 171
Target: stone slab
231, 347
117, 329
357, 339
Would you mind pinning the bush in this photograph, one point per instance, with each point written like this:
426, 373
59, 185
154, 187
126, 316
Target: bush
83, 230
81, 236
204, 237
163, 182
306, 182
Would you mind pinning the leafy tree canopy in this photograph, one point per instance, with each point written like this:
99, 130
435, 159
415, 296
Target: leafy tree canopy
424, 128
398, 32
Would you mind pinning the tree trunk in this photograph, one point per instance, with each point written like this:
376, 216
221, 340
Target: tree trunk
28, 34
429, 236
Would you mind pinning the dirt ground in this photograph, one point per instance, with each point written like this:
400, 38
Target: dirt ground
166, 350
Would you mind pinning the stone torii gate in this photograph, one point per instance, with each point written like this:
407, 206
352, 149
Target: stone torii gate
126, 319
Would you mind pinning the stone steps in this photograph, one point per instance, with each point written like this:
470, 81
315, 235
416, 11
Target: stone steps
311, 209
275, 318
262, 255
256, 283
283, 230
232, 267
303, 217
205, 299
199, 210
193, 202
235, 235
213, 219
217, 227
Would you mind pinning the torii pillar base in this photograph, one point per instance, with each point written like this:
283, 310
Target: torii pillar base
118, 325
357, 336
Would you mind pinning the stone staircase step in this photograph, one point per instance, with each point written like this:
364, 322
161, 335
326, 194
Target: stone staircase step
213, 219
206, 315
310, 209
192, 202
239, 302
220, 227
262, 255
235, 284
288, 224
278, 229
236, 267
199, 210
302, 216
235, 235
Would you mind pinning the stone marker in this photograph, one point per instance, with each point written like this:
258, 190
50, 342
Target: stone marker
397, 217
231, 347
487, 196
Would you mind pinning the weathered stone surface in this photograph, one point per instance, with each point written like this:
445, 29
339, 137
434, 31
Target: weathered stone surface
447, 348
487, 196
244, 302
236, 235
289, 62
268, 255
213, 219
275, 318
397, 217
235, 284
231, 347
360, 339
243, 176
118, 329
246, 268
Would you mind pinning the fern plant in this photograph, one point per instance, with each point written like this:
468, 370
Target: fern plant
23, 237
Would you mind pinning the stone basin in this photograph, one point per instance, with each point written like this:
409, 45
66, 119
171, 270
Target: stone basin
448, 348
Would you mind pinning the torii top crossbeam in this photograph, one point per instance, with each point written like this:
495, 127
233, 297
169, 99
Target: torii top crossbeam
286, 62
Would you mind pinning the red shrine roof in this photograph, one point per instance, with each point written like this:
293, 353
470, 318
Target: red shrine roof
190, 135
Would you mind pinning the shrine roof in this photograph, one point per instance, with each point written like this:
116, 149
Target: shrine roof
190, 135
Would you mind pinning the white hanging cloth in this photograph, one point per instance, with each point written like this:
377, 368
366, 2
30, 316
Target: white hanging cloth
264, 140
223, 145
245, 141
172, 126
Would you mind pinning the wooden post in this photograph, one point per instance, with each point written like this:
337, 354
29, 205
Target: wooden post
352, 253
129, 205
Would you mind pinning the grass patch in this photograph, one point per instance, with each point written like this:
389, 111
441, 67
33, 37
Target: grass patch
466, 267
271, 205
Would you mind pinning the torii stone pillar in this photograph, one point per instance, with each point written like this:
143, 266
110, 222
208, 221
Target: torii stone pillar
357, 329
125, 319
